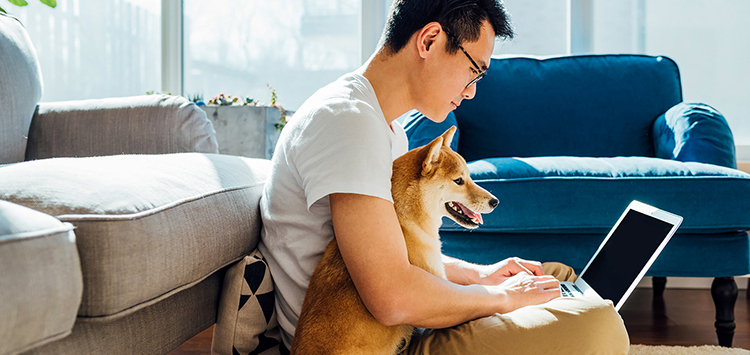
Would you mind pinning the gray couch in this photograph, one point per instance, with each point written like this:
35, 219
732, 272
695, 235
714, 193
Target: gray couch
117, 217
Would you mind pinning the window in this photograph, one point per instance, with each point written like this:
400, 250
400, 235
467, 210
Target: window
297, 46
95, 48
109, 48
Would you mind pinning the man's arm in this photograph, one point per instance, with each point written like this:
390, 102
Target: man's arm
396, 292
465, 273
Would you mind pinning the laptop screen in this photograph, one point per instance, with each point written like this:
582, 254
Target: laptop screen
622, 258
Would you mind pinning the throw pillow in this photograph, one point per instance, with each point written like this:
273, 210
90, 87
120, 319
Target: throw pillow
247, 323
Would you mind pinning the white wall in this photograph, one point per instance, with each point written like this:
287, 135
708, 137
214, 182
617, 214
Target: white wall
541, 28
710, 41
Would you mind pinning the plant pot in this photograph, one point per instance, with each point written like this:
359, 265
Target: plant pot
247, 131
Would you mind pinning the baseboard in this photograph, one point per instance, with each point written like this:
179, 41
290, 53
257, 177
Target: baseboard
693, 282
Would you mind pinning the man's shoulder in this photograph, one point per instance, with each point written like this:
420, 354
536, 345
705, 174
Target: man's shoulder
341, 114
349, 94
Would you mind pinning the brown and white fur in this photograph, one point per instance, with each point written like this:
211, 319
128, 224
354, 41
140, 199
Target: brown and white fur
427, 183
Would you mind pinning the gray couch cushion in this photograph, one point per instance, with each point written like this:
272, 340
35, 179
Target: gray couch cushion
148, 226
40, 283
20, 88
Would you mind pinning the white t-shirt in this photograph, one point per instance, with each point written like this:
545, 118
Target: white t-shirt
337, 142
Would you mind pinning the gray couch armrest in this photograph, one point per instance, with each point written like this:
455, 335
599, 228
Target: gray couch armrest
694, 132
149, 124
41, 282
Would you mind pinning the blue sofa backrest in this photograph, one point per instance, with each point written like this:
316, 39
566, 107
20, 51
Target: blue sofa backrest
591, 105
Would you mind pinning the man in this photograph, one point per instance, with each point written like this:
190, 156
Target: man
331, 178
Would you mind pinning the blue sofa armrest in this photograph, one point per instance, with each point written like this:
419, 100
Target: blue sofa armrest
694, 132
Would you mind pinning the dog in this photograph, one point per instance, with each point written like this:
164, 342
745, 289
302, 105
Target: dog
428, 183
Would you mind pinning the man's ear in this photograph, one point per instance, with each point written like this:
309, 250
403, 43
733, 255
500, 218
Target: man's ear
448, 136
433, 156
427, 37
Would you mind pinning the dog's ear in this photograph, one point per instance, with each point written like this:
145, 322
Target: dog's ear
448, 136
433, 156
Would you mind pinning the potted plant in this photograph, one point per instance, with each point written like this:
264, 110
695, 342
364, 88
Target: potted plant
243, 126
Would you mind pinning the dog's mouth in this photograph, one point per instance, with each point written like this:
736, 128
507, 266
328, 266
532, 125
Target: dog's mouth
463, 215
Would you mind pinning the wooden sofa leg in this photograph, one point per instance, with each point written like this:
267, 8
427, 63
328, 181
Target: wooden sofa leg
659, 284
724, 292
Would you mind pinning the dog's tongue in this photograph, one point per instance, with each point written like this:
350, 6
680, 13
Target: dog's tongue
471, 214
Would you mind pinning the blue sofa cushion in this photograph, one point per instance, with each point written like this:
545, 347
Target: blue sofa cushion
421, 130
694, 132
598, 106
573, 194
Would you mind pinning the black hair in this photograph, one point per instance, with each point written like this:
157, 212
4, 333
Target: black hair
460, 18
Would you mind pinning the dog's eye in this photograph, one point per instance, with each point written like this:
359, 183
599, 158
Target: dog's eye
459, 181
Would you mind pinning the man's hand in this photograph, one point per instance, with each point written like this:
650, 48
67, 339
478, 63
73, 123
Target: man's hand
523, 290
500, 272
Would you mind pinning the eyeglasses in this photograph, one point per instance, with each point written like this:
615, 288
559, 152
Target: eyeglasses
480, 73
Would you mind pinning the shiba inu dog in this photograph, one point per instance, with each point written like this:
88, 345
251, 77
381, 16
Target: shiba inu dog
427, 183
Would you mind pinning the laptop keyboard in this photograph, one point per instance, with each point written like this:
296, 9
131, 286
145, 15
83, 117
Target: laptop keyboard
567, 292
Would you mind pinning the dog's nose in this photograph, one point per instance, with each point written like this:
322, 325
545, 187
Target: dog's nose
494, 202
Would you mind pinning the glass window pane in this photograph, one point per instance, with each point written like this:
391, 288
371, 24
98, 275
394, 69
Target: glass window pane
95, 48
238, 47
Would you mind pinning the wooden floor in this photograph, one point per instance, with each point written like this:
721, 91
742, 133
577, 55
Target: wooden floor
685, 318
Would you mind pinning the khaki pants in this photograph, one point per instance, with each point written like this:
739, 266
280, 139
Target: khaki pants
562, 326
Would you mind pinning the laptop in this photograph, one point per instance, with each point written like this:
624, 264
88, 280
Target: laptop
625, 255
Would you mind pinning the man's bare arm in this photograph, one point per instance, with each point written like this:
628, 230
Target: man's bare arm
396, 292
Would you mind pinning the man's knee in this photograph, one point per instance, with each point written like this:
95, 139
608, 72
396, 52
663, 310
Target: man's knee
560, 271
599, 328
565, 326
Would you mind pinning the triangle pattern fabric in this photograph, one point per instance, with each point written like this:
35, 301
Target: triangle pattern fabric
254, 274
247, 322
266, 302
264, 344
243, 300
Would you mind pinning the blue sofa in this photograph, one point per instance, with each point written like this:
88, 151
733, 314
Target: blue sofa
567, 142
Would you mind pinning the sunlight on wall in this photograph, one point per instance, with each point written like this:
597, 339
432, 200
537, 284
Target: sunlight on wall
710, 41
